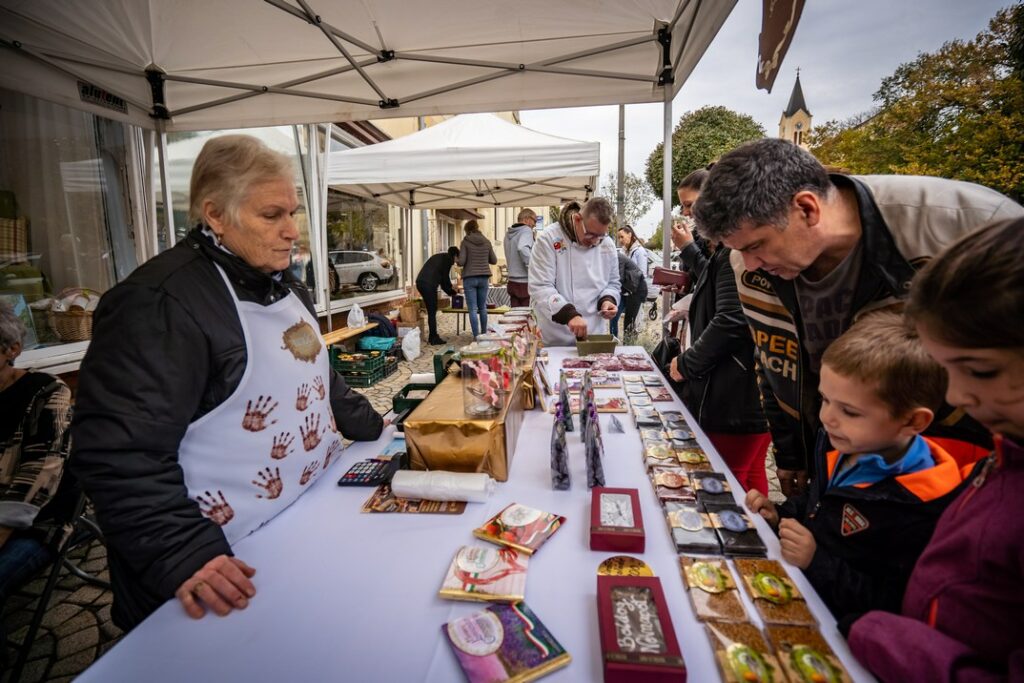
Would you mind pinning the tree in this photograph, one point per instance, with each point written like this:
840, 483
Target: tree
699, 138
637, 195
955, 113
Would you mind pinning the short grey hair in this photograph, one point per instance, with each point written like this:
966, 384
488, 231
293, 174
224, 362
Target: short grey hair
12, 329
525, 214
755, 182
227, 167
599, 208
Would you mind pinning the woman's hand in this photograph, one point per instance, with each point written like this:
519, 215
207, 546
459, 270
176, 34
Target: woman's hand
682, 234
222, 585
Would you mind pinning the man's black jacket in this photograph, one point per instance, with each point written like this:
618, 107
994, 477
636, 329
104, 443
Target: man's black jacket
437, 272
167, 348
720, 388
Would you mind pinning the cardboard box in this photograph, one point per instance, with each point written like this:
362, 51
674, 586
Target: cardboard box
616, 523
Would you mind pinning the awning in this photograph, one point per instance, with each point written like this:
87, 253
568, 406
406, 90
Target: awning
473, 160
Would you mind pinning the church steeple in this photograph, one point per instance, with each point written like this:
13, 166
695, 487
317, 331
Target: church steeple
796, 119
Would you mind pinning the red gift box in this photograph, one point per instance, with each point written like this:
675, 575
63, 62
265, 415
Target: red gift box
638, 642
622, 526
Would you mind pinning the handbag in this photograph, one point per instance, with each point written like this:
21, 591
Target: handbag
677, 279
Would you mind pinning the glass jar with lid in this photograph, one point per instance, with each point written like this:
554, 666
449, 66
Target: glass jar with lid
482, 380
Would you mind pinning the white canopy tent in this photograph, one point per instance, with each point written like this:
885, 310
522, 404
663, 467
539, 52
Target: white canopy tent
213, 64
472, 160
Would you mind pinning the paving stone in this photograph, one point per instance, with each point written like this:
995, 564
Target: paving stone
94, 566
59, 614
35, 587
44, 646
75, 624
85, 595
35, 671
74, 666
106, 597
76, 642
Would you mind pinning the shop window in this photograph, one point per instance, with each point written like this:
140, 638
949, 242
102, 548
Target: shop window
362, 247
182, 150
66, 233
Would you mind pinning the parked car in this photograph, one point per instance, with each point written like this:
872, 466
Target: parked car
365, 269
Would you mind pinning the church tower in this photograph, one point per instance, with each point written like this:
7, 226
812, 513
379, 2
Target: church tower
795, 123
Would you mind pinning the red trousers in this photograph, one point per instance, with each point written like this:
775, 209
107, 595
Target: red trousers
745, 455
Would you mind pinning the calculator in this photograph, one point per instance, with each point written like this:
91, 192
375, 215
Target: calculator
373, 472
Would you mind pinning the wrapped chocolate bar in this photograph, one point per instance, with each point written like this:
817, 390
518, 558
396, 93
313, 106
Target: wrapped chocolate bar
504, 643
742, 654
653, 434
650, 379
693, 459
773, 593
576, 363
691, 529
634, 362
560, 479
647, 418
711, 487
735, 530
564, 400
636, 389
637, 637
712, 589
659, 455
487, 574
594, 450
805, 656
520, 527
616, 523
672, 484
638, 401
659, 394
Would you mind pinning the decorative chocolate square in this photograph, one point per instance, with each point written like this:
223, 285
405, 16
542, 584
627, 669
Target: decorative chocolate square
735, 530
773, 593
691, 529
711, 487
520, 527
616, 522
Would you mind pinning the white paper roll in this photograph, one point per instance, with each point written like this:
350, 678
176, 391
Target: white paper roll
438, 485
422, 378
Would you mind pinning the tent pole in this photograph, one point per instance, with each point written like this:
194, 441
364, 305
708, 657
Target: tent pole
321, 227
620, 198
152, 225
666, 193
161, 140
424, 223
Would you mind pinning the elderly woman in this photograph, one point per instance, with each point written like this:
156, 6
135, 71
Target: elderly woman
206, 401
33, 447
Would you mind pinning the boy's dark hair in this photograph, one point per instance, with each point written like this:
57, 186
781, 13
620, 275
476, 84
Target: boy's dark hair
453, 252
755, 182
881, 350
972, 294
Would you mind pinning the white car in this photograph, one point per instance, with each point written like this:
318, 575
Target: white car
365, 269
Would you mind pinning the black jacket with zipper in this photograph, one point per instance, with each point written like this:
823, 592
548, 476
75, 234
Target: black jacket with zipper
168, 348
720, 388
869, 537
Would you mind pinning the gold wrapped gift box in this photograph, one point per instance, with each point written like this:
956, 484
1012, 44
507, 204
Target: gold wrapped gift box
440, 436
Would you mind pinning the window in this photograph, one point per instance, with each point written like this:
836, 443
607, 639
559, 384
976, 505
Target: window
67, 231
362, 245
182, 150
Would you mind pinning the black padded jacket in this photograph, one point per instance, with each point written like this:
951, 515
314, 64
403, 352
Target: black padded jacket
167, 348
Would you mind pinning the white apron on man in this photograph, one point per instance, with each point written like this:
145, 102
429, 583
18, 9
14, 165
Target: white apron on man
257, 452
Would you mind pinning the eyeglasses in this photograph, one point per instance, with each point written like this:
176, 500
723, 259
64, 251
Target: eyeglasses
590, 237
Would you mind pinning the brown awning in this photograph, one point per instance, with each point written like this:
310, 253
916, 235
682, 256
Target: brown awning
778, 24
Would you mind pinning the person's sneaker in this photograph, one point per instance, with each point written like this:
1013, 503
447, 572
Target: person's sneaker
436, 341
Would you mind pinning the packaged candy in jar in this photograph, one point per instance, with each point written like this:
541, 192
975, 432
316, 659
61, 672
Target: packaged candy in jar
482, 394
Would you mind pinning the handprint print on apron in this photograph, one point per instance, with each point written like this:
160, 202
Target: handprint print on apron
245, 450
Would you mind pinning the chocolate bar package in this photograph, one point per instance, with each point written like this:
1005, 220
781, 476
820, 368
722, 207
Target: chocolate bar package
743, 655
693, 460
638, 641
520, 527
672, 484
659, 455
487, 574
805, 656
711, 487
712, 589
691, 529
560, 478
773, 593
616, 521
504, 643
735, 530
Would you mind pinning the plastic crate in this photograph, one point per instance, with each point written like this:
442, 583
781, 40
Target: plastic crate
363, 379
400, 402
362, 366
390, 366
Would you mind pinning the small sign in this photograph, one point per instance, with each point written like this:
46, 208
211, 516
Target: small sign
93, 94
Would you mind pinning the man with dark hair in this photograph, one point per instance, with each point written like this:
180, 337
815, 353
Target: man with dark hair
812, 251
436, 272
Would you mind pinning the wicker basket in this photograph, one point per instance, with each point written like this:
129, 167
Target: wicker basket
71, 326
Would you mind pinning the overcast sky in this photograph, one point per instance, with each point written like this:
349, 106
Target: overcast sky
843, 49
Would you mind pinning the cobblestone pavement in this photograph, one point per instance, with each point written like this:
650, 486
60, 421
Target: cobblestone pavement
77, 629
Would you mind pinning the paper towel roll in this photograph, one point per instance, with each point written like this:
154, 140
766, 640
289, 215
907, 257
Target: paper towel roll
438, 485
423, 378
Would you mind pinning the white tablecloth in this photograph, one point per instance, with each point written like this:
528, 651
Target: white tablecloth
353, 597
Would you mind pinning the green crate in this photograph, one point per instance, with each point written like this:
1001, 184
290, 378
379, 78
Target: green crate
363, 380
399, 401
367, 365
597, 343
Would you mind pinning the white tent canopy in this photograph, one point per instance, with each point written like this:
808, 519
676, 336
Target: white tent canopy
211, 64
472, 160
